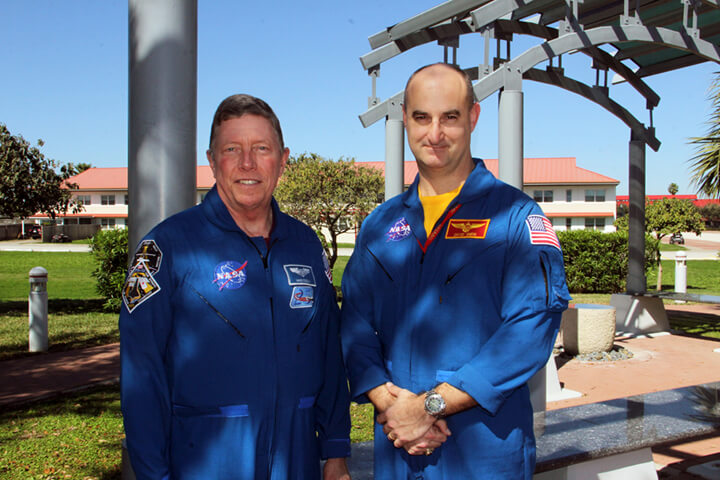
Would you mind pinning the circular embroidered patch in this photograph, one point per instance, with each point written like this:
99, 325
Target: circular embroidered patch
230, 274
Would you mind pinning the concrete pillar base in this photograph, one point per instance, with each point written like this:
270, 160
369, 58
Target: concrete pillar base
639, 315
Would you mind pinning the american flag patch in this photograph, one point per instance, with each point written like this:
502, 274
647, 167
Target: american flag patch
541, 231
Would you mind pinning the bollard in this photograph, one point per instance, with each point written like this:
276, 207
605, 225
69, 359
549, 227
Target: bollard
38, 311
680, 272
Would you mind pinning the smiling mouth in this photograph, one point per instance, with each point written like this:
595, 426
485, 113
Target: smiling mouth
248, 182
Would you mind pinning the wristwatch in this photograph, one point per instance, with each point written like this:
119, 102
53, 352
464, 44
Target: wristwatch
434, 404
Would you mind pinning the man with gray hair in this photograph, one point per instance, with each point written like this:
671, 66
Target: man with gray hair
229, 333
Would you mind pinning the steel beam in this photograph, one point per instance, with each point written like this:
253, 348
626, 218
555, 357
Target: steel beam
162, 111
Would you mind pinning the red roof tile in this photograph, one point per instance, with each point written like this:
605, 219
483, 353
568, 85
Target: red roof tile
540, 171
117, 178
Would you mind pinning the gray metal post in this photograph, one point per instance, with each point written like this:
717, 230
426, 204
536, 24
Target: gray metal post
636, 281
38, 311
394, 152
162, 111
510, 137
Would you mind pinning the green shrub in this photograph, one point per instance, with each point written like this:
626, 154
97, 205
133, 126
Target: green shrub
597, 262
110, 249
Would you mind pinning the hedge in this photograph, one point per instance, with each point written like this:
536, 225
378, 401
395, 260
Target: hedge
597, 262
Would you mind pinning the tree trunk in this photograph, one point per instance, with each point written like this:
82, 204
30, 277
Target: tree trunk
659, 276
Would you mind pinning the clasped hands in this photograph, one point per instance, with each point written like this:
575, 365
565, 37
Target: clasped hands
406, 423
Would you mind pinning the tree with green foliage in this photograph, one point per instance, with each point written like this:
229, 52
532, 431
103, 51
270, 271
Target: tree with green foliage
31, 183
110, 249
711, 215
80, 167
673, 188
705, 164
329, 195
665, 217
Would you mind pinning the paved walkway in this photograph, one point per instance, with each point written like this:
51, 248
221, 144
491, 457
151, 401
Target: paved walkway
659, 363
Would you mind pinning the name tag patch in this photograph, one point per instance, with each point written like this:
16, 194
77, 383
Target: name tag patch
299, 274
458, 228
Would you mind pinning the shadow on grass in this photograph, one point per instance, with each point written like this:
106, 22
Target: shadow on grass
55, 305
695, 323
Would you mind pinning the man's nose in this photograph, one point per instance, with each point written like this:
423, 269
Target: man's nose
435, 131
247, 159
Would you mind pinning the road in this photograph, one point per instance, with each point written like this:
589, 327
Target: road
38, 246
703, 247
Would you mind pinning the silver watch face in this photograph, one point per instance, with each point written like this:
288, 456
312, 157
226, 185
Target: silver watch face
434, 404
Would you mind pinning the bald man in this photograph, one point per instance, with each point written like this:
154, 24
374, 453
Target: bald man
451, 303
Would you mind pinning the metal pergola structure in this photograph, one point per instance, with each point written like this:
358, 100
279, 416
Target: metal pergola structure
633, 39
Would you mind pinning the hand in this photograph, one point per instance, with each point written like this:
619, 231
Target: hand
405, 420
436, 436
336, 469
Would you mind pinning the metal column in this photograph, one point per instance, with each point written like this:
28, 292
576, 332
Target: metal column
394, 152
636, 281
510, 137
162, 111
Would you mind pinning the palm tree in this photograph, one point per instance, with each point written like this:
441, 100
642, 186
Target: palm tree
705, 168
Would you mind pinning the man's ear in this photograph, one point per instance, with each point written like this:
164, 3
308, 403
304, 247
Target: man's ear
474, 115
283, 162
211, 160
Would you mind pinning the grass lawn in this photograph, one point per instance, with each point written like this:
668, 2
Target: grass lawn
75, 316
78, 437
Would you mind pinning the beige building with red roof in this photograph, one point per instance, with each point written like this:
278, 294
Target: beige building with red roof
572, 197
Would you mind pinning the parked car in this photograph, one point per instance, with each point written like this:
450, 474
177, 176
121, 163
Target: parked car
31, 231
677, 239
60, 238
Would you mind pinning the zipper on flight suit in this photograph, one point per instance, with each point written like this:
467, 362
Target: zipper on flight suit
268, 276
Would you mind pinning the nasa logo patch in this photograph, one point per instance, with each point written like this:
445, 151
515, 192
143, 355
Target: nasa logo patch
229, 274
302, 297
399, 231
139, 286
299, 275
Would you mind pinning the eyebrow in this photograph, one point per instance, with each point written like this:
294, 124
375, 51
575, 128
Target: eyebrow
454, 111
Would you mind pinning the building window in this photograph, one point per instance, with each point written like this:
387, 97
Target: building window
568, 224
127, 199
568, 196
543, 196
595, 224
83, 199
107, 222
594, 195
85, 221
107, 199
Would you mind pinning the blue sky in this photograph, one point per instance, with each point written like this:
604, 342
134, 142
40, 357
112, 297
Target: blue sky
65, 73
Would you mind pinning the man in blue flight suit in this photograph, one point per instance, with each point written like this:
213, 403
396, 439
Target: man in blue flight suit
230, 349
451, 302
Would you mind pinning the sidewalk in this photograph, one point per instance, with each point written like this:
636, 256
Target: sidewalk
659, 363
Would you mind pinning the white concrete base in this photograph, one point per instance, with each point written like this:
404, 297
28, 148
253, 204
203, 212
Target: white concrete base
637, 465
545, 387
554, 391
639, 315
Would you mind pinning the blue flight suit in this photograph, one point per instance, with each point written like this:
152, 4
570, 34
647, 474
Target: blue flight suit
230, 351
479, 310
